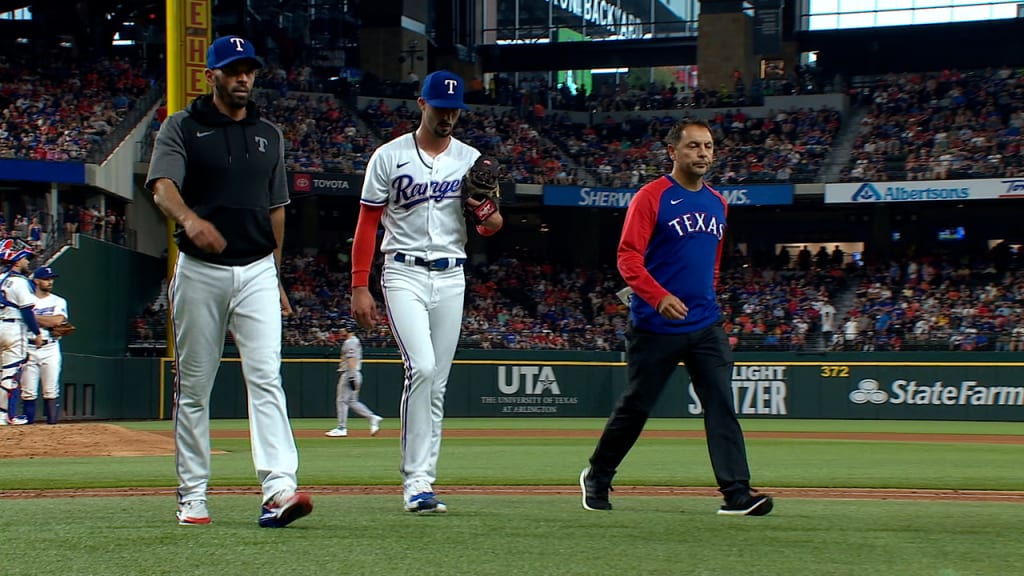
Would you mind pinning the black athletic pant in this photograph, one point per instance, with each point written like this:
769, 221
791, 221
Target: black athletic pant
651, 360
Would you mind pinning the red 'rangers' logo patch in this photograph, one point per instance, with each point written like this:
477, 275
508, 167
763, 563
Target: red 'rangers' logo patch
302, 183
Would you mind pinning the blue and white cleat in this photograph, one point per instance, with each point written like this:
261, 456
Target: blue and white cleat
425, 502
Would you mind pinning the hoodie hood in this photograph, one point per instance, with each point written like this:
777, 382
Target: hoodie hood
207, 114
203, 110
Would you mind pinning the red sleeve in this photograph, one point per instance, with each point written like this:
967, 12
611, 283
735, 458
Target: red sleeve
641, 216
718, 254
364, 243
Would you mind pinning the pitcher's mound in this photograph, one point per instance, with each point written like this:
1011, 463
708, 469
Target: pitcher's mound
71, 440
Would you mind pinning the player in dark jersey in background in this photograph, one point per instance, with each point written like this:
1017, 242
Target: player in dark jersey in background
669, 255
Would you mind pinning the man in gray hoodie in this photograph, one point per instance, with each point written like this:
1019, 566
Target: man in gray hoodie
218, 171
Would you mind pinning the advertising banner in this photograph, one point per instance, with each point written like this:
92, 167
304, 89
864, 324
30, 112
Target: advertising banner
536, 390
598, 197
855, 390
827, 389
41, 171
924, 191
197, 41
324, 183
884, 391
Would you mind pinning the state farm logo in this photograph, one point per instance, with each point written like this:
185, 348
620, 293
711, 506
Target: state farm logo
869, 390
302, 182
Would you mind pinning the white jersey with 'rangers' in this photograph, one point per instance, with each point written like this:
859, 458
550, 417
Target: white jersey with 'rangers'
422, 196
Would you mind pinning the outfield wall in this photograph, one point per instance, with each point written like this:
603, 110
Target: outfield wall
900, 386
106, 286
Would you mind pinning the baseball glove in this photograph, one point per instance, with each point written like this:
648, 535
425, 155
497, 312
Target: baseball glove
481, 184
62, 329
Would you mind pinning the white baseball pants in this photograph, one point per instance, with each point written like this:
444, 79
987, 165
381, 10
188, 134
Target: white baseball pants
12, 357
424, 307
206, 300
43, 367
347, 396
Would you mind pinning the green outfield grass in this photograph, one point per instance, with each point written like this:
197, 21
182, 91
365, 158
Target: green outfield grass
484, 536
366, 535
557, 461
764, 425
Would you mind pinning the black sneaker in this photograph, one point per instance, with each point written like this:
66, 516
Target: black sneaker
751, 504
595, 491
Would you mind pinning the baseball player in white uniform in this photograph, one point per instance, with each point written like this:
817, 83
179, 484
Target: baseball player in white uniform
413, 184
44, 361
350, 381
17, 313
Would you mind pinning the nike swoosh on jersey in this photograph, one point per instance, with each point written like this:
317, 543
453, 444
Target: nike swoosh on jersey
400, 164
201, 134
676, 201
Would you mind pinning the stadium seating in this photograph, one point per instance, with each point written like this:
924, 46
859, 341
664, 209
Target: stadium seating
787, 146
536, 147
320, 133
928, 304
514, 304
626, 97
58, 111
940, 125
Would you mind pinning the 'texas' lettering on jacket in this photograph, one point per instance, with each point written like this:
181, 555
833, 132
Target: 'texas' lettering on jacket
408, 192
697, 222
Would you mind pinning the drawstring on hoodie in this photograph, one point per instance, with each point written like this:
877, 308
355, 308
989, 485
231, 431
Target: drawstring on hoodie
227, 142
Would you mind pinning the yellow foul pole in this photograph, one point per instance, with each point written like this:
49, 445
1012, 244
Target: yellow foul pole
188, 33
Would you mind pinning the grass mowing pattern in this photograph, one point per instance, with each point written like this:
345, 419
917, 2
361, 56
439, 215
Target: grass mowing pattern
508, 536
538, 536
596, 424
557, 461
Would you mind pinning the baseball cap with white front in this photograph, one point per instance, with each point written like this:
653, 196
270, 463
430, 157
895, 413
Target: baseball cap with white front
44, 273
444, 89
228, 49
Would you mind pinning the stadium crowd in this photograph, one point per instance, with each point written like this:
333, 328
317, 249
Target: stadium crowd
785, 146
550, 148
525, 156
627, 96
57, 110
940, 125
929, 303
934, 303
320, 133
537, 147
919, 126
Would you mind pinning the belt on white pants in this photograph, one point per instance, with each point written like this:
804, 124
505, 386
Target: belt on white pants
439, 264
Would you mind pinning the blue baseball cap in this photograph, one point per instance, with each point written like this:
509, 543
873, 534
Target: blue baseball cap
44, 273
228, 49
444, 89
